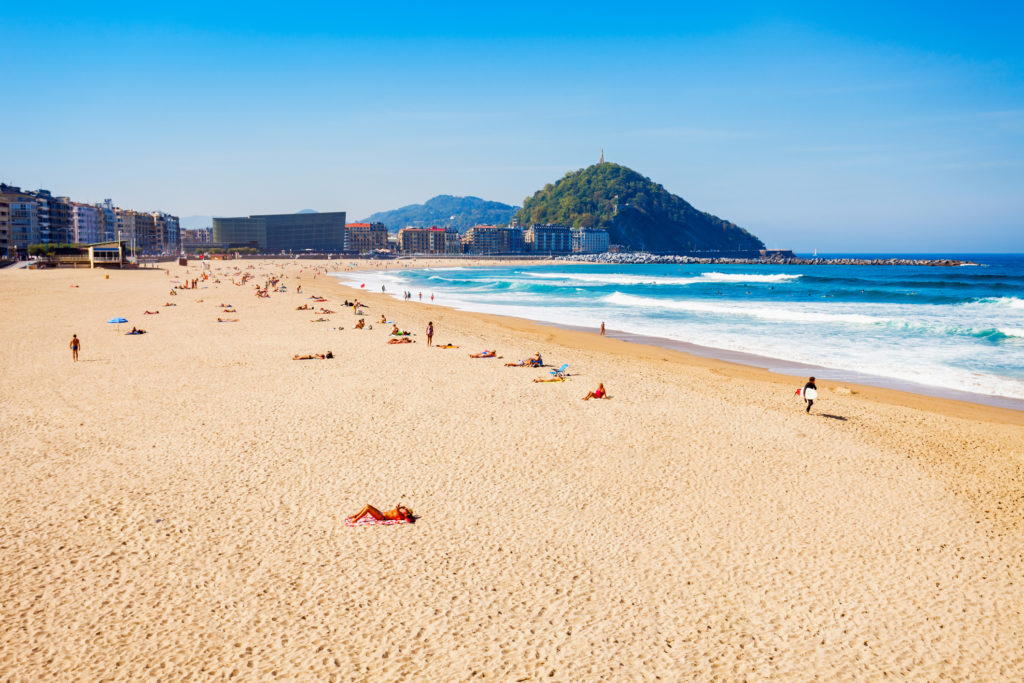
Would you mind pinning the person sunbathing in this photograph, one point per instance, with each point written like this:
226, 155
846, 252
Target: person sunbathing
312, 356
484, 354
361, 324
152, 313
445, 346
304, 307
227, 320
599, 393
399, 514
403, 340
136, 331
383, 319
170, 304
533, 362
326, 311
229, 310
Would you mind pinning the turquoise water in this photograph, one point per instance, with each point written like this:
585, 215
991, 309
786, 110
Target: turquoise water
959, 328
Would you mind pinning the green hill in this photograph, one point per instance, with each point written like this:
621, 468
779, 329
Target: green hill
638, 213
445, 210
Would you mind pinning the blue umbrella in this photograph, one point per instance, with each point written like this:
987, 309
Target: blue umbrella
118, 321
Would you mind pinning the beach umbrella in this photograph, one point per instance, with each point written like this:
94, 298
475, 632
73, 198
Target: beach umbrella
118, 321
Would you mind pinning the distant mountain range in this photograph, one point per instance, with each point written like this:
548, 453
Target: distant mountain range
445, 210
638, 213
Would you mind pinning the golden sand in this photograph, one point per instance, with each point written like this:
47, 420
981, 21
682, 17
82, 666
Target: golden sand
173, 504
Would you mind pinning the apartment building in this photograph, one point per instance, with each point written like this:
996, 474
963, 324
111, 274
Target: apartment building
432, 240
87, 223
589, 240
491, 239
362, 238
549, 239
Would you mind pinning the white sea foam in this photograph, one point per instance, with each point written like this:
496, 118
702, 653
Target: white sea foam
705, 278
1004, 301
763, 312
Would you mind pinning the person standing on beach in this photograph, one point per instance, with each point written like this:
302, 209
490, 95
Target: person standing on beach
430, 333
602, 328
810, 393
75, 345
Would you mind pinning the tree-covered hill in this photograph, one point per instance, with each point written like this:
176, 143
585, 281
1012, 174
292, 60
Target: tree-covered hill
638, 213
445, 210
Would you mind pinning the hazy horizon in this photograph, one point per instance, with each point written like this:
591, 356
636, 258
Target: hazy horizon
866, 129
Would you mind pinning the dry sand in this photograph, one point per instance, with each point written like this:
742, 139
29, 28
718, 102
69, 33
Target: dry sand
173, 504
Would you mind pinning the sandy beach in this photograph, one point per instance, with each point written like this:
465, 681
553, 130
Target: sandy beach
173, 504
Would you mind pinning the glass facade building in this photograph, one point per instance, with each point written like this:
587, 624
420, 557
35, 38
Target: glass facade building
283, 232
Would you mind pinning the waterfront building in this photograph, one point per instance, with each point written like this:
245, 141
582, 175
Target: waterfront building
324, 232
23, 219
362, 238
197, 236
126, 227
589, 240
549, 239
432, 240
5, 224
109, 214
491, 239
169, 232
87, 223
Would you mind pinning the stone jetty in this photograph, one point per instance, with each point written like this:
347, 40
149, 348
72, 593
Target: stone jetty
639, 257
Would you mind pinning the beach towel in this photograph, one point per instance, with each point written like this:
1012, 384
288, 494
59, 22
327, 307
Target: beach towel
370, 521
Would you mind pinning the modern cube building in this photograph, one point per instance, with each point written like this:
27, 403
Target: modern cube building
284, 232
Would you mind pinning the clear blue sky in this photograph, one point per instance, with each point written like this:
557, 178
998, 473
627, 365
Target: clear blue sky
866, 128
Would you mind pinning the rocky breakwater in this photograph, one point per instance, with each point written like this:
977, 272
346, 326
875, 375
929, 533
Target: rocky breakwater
645, 257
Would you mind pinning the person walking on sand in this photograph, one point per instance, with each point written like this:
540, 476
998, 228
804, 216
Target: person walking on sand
602, 328
75, 345
430, 333
810, 393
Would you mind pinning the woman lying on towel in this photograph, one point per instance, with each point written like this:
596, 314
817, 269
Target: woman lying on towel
485, 354
399, 514
532, 362
403, 340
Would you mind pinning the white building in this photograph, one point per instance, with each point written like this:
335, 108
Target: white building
589, 240
88, 223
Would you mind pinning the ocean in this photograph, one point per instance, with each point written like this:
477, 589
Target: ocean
933, 330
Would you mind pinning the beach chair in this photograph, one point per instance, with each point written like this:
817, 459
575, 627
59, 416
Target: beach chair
560, 372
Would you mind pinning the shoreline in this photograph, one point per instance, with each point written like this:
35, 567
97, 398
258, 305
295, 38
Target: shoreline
776, 366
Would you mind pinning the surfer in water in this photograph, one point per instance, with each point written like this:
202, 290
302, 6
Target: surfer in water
810, 393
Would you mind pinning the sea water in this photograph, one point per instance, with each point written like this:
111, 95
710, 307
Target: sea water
958, 328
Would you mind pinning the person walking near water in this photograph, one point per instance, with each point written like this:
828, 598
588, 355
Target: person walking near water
810, 393
75, 345
602, 328
430, 333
